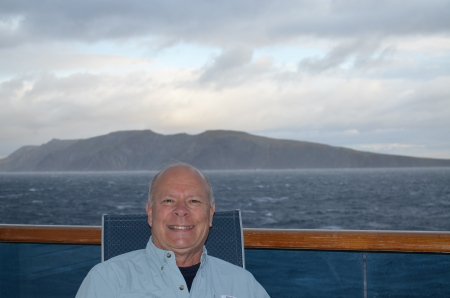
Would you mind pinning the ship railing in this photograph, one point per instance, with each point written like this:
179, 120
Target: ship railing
51, 261
342, 240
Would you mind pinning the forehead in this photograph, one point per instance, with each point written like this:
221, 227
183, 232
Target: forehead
181, 179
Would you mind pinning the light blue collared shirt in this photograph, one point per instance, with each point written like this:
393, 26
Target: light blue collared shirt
153, 272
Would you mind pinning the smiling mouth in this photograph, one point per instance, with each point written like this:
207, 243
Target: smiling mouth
180, 227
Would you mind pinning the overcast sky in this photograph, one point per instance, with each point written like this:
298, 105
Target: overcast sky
368, 75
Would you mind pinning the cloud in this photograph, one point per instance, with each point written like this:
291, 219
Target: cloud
222, 24
235, 67
347, 73
64, 59
389, 147
357, 54
226, 62
171, 100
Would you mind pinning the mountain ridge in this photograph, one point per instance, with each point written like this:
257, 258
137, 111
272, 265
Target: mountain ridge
212, 150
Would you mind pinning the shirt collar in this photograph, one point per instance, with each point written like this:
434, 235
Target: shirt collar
167, 256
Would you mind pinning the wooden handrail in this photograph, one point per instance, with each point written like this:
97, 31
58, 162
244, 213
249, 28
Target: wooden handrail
402, 241
396, 241
51, 234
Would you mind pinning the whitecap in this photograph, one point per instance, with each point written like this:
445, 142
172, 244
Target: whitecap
378, 225
331, 227
121, 207
269, 199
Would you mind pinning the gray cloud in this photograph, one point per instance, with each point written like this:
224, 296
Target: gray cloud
229, 60
359, 53
217, 23
228, 67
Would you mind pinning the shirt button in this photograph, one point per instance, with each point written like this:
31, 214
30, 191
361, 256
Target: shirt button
162, 267
168, 255
182, 287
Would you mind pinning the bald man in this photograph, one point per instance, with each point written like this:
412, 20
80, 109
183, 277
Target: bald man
175, 263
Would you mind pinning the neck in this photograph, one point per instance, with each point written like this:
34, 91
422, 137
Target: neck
188, 259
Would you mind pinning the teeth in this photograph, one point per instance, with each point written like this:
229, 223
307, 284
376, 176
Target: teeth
180, 227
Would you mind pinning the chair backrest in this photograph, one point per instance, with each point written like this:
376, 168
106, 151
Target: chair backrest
125, 233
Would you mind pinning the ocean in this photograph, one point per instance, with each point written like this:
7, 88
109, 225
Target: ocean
360, 199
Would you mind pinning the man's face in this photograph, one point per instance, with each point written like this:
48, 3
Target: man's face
181, 214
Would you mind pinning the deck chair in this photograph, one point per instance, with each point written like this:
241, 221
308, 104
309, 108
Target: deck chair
125, 233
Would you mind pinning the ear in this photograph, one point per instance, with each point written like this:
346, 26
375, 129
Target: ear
149, 211
211, 214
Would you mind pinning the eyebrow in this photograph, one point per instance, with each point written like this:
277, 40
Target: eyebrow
188, 197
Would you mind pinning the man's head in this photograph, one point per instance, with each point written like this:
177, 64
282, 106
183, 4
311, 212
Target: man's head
180, 164
180, 211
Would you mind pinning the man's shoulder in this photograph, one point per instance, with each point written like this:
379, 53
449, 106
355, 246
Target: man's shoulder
128, 255
123, 260
226, 267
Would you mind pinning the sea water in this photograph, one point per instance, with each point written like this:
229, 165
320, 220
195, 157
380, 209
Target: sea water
360, 199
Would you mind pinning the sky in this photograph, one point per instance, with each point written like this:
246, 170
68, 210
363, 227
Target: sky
367, 75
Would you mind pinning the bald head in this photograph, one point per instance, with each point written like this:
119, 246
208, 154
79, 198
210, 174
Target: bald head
172, 169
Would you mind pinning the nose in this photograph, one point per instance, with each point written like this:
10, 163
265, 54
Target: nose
181, 209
